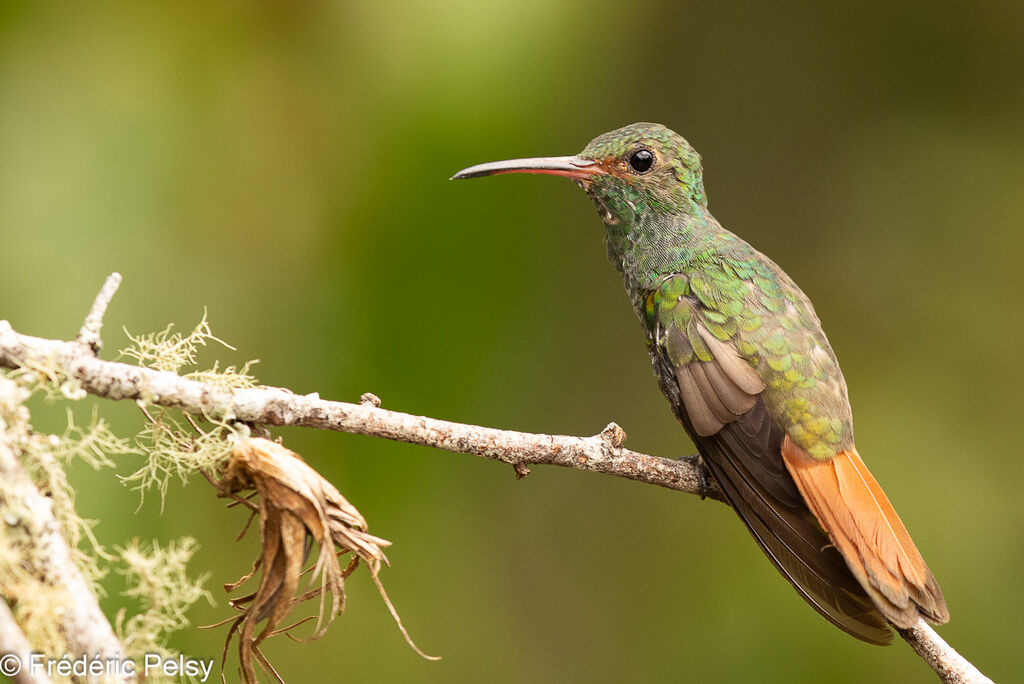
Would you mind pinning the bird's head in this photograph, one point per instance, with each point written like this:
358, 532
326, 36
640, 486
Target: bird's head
630, 173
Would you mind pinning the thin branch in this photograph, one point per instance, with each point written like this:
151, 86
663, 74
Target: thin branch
90, 332
951, 667
601, 453
278, 406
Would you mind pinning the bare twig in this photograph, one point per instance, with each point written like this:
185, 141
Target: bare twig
601, 453
951, 667
90, 331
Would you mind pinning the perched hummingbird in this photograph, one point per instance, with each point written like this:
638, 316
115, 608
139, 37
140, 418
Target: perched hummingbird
740, 354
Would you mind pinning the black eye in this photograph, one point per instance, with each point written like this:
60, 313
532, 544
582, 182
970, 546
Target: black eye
641, 161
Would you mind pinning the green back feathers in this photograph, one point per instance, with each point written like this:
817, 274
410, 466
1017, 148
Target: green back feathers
771, 325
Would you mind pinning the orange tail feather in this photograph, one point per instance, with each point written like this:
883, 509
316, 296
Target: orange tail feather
864, 526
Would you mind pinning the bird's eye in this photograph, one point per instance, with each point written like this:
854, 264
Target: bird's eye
641, 161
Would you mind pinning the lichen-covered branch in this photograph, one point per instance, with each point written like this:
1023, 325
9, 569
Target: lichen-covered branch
13, 643
79, 368
46, 556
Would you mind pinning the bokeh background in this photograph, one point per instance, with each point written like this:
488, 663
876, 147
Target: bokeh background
285, 166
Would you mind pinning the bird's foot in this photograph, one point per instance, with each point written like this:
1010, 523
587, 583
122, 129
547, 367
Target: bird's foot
703, 475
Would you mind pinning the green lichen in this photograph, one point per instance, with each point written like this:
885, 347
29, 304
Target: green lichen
174, 443
176, 447
46, 458
157, 578
170, 351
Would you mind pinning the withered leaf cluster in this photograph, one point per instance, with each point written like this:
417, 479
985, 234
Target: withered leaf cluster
296, 507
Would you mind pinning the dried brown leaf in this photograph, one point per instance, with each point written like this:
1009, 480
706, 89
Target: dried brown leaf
296, 506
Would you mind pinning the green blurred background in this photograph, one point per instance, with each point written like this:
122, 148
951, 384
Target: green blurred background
285, 166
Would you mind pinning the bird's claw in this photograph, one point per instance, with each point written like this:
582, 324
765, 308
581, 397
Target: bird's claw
703, 476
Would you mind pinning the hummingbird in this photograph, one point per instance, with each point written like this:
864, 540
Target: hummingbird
740, 354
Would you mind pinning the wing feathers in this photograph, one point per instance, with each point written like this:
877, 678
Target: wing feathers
715, 392
729, 360
703, 418
863, 525
744, 459
733, 397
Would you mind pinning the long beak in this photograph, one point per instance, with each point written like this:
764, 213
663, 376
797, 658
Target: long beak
570, 167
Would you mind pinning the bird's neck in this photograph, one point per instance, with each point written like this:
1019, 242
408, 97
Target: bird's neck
650, 246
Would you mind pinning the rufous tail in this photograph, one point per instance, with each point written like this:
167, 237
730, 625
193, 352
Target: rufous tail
864, 526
